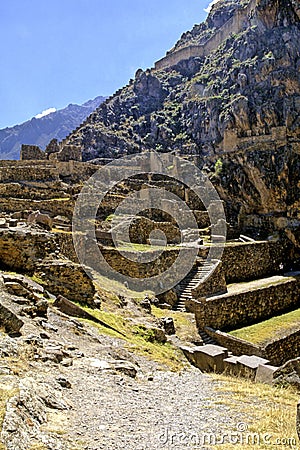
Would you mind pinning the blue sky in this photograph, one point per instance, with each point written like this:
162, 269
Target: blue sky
68, 51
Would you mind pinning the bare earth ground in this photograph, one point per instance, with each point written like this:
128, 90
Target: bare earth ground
111, 410
105, 408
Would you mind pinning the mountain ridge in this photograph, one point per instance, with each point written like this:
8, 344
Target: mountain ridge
39, 131
236, 108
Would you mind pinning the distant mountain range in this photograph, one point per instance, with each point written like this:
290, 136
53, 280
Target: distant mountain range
44, 127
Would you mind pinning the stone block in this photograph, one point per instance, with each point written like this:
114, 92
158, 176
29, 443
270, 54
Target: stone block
210, 358
265, 374
188, 353
168, 325
248, 365
230, 365
8, 319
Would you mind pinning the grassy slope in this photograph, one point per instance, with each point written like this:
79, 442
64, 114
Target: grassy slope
138, 340
275, 327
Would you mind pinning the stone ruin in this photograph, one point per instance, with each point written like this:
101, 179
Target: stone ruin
54, 152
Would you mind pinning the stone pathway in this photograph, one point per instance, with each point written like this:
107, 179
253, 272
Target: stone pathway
171, 411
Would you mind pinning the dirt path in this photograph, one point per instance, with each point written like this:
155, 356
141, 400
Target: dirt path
101, 396
155, 410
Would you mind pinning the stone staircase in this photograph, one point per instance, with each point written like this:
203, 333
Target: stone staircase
206, 339
190, 282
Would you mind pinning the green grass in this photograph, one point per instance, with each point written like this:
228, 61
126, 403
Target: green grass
186, 330
137, 339
276, 327
112, 287
133, 247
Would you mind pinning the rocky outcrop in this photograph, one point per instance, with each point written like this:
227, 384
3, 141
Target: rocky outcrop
21, 249
63, 277
236, 108
289, 374
298, 420
9, 320
27, 410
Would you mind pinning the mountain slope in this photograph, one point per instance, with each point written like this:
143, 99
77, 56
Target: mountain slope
228, 92
40, 131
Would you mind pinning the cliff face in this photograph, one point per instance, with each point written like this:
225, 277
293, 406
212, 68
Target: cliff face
237, 104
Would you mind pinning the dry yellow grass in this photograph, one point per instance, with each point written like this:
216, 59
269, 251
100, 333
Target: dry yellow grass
6, 392
270, 412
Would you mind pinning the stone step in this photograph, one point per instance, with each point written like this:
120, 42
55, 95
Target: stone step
206, 338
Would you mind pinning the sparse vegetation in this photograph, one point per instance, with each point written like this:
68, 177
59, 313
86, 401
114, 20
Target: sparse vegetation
137, 340
6, 392
266, 411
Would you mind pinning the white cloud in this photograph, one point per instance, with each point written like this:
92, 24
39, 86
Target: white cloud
45, 113
210, 6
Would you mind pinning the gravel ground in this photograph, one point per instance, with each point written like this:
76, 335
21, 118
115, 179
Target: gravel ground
171, 411
111, 410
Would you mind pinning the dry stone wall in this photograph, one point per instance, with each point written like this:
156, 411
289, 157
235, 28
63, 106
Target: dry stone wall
278, 351
244, 308
234, 25
253, 260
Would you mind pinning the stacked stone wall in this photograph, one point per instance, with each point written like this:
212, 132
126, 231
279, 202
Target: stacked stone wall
278, 351
253, 260
245, 308
234, 25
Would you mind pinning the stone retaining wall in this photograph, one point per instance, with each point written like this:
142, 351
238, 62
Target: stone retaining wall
234, 25
32, 152
237, 346
21, 249
282, 350
244, 308
253, 260
278, 351
52, 207
45, 170
65, 242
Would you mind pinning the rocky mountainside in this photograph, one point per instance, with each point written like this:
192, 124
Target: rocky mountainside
39, 131
234, 103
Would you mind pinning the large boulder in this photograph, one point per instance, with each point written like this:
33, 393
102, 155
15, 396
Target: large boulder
63, 277
41, 219
9, 319
288, 374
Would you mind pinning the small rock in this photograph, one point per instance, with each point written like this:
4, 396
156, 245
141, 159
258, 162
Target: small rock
3, 223
154, 301
102, 365
63, 382
44, 336
67, 362
49, 327
125, 367
41, 308
145, 304
168, 325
